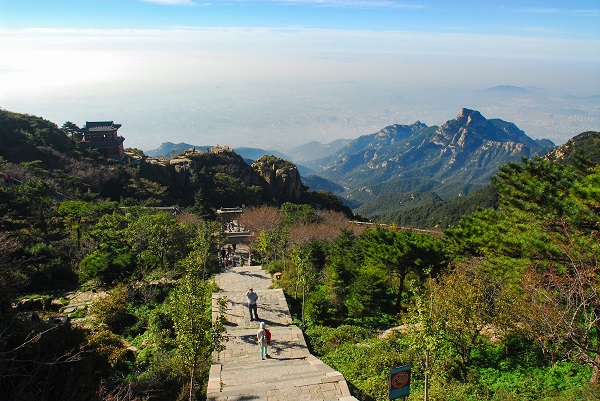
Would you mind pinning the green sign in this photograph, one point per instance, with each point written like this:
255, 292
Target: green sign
399, 385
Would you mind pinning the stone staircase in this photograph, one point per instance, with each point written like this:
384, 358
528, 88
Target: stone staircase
290, 372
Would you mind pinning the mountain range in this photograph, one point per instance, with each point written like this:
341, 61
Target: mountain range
407, 174
453, 159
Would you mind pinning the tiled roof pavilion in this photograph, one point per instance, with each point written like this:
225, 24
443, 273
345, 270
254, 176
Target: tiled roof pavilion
102, 135
100, 126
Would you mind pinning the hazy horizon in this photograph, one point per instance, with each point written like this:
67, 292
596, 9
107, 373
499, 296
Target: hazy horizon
280, 73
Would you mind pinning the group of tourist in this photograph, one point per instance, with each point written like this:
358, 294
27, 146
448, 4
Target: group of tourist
226, 256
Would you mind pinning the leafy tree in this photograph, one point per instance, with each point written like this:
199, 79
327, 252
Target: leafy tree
205, 240
72, 130
402, 253
228, 190
189, 306
30, 219
79, 215
367, 294
11, 270
548, 190
109, 256
309, 260
539, 199
272, 244
343, 263
297, 214
561, 310
464, 302
158, 240
153, 193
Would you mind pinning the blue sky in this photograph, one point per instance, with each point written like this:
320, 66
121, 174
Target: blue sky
120, 59
566, 19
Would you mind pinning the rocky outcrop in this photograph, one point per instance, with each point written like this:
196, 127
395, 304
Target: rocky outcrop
281, 176
584, 146
279, 179
218, 159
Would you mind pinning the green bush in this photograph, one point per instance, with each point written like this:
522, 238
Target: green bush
111, 311
326, 339
277, 266
106, 266
535, 383
109, 346
366, 364
319, 310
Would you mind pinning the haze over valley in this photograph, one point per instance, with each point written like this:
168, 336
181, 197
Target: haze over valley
277, 74
283, 116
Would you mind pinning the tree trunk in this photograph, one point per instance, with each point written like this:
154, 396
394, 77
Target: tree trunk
192, 377
426, 385
400, 290
303, 297
596, 366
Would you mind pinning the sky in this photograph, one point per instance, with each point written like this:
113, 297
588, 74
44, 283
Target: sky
280, 73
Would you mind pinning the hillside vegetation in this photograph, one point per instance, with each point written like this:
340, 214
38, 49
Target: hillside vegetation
202, 180
504, 305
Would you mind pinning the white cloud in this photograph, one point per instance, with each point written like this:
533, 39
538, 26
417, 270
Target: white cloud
564, 11
587, 13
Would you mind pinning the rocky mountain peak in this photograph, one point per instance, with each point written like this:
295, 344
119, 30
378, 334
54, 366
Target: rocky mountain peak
467, 149
471, 117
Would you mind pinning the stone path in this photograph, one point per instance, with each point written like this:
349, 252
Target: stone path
291, 372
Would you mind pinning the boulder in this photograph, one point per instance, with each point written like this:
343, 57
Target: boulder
38, 303
62, 319
25, 304
55, 305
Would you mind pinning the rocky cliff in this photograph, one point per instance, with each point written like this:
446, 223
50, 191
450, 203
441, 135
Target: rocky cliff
224, 175
281, 176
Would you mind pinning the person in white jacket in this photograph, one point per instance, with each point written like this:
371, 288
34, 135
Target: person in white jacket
261, 337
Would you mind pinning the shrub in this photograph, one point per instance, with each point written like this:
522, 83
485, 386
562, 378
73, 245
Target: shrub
108, 345
111, 311
277, 266
319, 310
326, 339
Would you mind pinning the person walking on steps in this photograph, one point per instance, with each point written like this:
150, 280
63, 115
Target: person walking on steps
252, 298
263, 336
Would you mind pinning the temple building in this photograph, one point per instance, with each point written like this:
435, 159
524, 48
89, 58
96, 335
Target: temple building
102, 135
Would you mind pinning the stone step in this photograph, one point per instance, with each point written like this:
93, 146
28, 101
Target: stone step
299, 385
230, 380
291, 373
270, 368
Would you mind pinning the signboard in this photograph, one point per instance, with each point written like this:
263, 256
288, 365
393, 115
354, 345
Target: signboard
399, 385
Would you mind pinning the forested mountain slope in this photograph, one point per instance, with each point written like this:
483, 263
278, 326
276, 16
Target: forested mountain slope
411, 209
